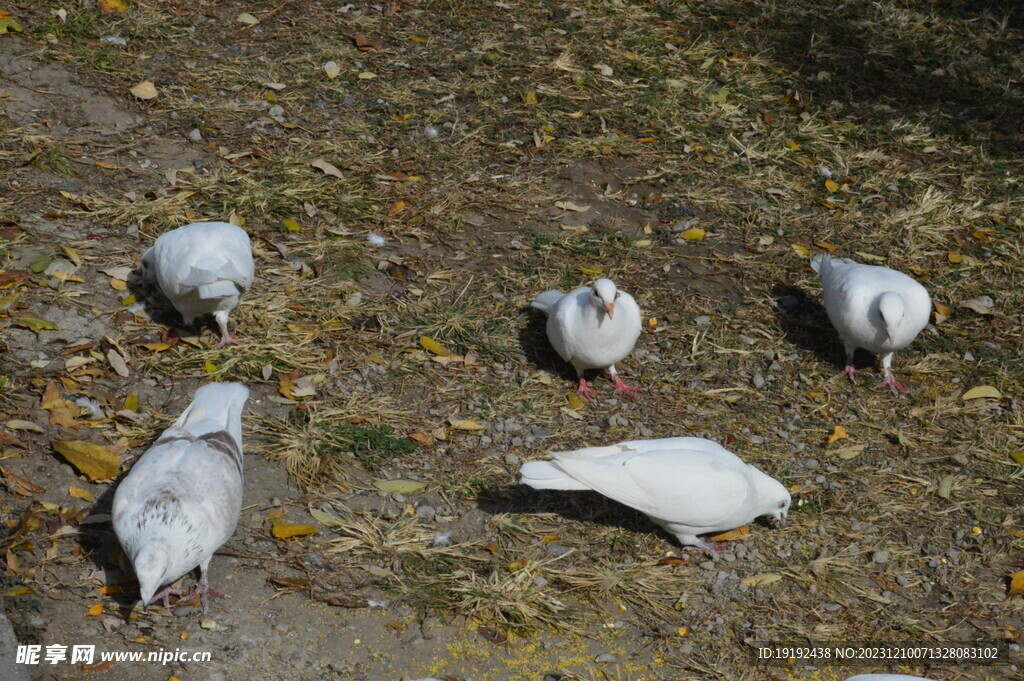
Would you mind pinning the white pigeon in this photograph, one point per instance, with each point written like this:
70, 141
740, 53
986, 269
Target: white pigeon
875, 308
592, 327
687, 485
202, 268
183, 496
886, 677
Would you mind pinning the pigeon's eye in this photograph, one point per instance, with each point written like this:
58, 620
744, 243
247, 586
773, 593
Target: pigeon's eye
596, 294
782, 504
617, 294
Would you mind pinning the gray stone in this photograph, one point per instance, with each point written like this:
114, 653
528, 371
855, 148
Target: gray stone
195, 135
557, 550
605, 658
880, 557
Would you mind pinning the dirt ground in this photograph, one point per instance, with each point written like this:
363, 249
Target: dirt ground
696, 153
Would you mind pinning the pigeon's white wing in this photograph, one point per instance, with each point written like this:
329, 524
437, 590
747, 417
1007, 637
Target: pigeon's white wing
686, 444
566, 321
691, 487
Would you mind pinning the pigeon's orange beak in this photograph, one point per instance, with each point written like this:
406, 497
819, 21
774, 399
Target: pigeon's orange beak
610, 309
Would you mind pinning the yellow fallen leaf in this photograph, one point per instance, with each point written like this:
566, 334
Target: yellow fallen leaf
209, 367
981, 391
94, 461
762, 579
954, 258
291, 225
575, 401
247, 19
431, 345
111, 590
792, 145
708, 157
591, 271
693, 234
113, 6
95, 610
801, 250
71, 255
729, 535
464, 424
79, 493
119, 284
144, 90
682, 631
131, 401
838, 433
530, 97
642, 243
286, 530
514, 565
156, 347
366, 75
831, 185
1017, 583
982, 236
942, 309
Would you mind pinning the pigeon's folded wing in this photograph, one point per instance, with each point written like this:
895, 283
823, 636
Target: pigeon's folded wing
694, 488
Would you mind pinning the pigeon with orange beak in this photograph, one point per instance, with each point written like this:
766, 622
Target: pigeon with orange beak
592, 328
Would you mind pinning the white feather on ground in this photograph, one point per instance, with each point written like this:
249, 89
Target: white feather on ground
593, 327
875, 308
687, 485
202, 268
182, 498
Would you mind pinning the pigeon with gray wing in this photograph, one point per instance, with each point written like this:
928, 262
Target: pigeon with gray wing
202, 268
592, 327
182, 498
875, 308
687, 485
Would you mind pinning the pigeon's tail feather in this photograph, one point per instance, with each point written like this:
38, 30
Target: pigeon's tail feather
545, 300
822, 260
216, 407
212, 269
592, 452
548, 475
219, 289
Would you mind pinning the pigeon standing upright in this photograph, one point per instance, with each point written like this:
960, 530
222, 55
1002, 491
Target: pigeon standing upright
183, 496
875, 308
687, 485
592, 327
202, 268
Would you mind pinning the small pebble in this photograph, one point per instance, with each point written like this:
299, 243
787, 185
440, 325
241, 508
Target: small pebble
606, 658
880, 557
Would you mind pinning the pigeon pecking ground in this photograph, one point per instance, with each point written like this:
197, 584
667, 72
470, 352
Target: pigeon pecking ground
405, 205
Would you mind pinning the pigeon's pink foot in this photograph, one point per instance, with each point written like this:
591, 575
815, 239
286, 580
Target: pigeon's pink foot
165, 595
227, 339
706, 546
585, 391
203, 591
852, 373
893, 384
621, 387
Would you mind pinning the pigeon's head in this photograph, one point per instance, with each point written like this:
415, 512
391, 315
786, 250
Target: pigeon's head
604, 295
892, 309
150, 568
774, 498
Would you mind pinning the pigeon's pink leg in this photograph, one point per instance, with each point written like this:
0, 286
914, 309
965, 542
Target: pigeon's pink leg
585, 391
851, 372
621, 387
709, 547
225, 336
893, 384
204, 591
165, 595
